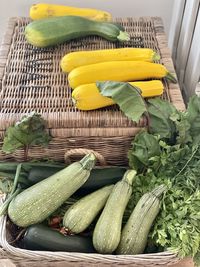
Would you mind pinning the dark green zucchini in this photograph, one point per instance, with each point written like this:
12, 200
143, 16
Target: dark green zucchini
41, 237
37, 174
99, 176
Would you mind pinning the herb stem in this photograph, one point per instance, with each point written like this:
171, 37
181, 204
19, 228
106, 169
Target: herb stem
26, 149
186, 164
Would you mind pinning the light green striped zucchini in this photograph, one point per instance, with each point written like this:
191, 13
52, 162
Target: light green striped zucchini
135, 232
80, 215
37, 202
107, 232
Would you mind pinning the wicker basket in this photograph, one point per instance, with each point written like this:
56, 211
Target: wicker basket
31, 79
80, 259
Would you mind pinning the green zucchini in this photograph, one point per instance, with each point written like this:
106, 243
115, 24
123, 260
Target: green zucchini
37, 174
99, 177
40, 237
135, 232
57, 30
37, 202
107, 231
81, 214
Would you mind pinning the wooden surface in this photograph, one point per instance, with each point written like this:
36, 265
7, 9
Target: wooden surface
8, 263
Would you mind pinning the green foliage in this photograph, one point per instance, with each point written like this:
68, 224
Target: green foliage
126, 96
176, 135
29, 131
160, 122
144, 147
6, 185
193, 118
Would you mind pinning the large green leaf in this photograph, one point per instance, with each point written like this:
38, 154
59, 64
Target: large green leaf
126, 96
144, 147
182, 128
30, 130
160, 112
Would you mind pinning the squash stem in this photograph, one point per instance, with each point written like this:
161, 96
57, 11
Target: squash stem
129, 176
171, 77
88, 161
155, 57
159, 190
123, 36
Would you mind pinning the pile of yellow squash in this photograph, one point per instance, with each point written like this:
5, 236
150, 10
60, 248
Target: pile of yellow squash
133, 65
85, 68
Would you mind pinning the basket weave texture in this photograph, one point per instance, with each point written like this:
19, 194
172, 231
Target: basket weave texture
31, 80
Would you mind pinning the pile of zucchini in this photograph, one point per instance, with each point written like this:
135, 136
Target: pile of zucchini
94, 222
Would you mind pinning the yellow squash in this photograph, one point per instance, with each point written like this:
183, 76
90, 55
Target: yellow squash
42, 11
88, 97
80, 58
121, 71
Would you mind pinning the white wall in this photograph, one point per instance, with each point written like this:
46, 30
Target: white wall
119, 8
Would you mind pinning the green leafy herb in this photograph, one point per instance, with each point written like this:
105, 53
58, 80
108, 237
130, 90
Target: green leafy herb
197, 258
126, 96
182, 128
171, 156
29, 131
193, 117
177, 227
6, 185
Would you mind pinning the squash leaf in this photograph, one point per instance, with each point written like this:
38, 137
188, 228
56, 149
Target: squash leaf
160, 112
127, 97
144, 147
30, 130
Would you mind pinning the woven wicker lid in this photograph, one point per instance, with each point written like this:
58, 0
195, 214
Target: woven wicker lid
31, 78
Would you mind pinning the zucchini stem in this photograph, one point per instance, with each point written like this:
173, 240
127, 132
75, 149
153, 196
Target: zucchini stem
171, 77
159, 190
88, 161
129, 176
123, 36
156, 57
